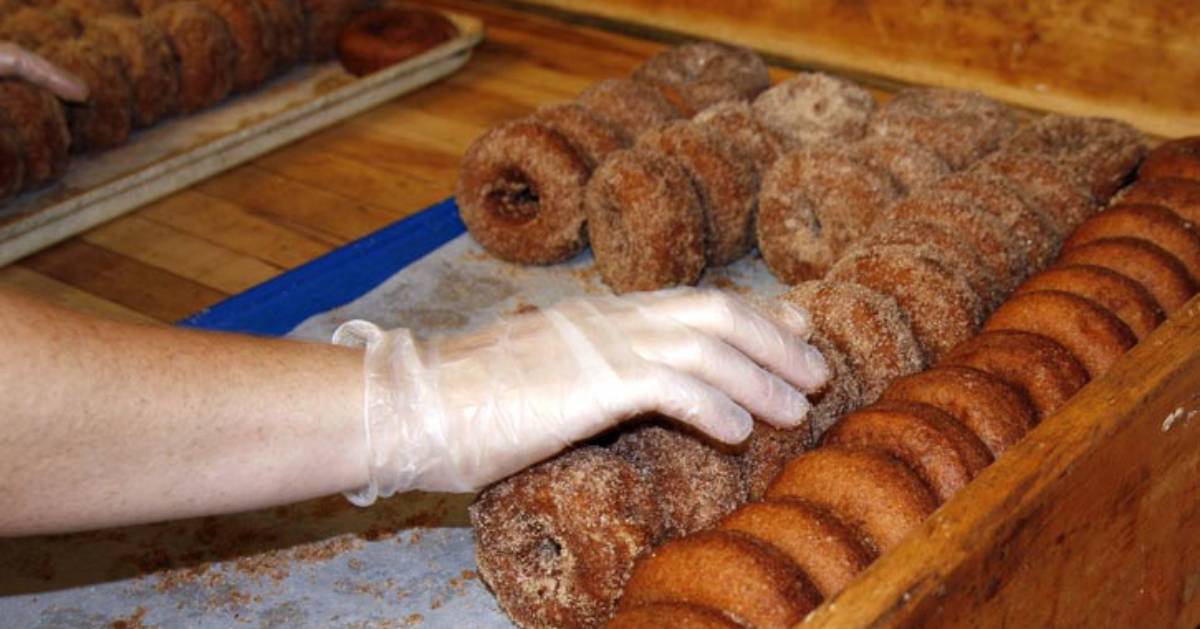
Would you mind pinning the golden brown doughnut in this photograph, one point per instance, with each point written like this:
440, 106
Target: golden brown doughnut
728, 186
735, 120
1176, 158
205, 51
106, 118
813, 107
865, 489
1125, 298
148, 60
645, 222
592, 137
751, 581
521, 191
997, 413
42, 127
556, 543
825, 549
678, 615
1046, 372
630, 106
942, 244
1044, 185
1100, 152
380, 38
1182, 196
1093, 334
943, 452
959, 126
1152, 223
698, 75
1144, 262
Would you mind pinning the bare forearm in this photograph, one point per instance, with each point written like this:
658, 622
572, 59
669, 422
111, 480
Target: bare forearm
104, 424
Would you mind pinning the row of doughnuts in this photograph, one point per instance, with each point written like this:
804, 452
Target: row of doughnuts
143, 61
881, 470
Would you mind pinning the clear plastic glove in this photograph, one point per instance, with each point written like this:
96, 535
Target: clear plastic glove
455, 413
18, 62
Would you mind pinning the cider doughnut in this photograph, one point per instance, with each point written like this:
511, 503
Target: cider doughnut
842, 393
1152, 223
205, 51
325, 20
961, 127
41, 125
628, 105
767, 450
751, 581
591, 137
941, 306
1163, 275
997, 413
1046, 372
286, 19
521, 191
148, 61
945, 246
911, 165
1099, 152
1094, 335
813, 204
942, 452
1036, 235
1125, 298
645, 222
12, 157
693, 483
825, 549
106, 119
698, 75
253, 40
556, 543
380, 38
679, 615
34, 29
813, 107
1175, 158
83, 10
869, 327
728, 187
868, 490
998, 248
1044, 186
735, 120
1182, 196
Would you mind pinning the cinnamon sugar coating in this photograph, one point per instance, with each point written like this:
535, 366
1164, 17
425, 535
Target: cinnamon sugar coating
813, 107
697, 75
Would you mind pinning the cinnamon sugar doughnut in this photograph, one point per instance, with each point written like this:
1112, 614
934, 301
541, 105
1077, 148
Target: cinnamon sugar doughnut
1101, 153
728, 187
825, 549
1125, 298
84, 10
1044, 186
35, 29
813, 107
592, 137
630, 106
942, 452
204, 49
868, 490
868, 326
945, 246
1152, 223
41, 124
106, 119
1036, 235
940, 304
1093, 334
1175, 158
148, 61
961, 127
1182, 196
253, 40
645, 222
735, 120
1046, 372
911, 165
751, 581
813, 204
693, 483
325, 20
767, 450
698, 75
1163, 275
380, 38
286, 19
557, 542
678, 615
842, 393
996, 412
520, 192
12, 157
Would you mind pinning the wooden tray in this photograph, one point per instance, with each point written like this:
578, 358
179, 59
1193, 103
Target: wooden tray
174, 155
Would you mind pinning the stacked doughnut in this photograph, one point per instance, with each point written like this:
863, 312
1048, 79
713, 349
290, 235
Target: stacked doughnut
882, 469
143, 61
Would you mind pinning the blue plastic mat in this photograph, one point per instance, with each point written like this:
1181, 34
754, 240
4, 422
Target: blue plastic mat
334, 279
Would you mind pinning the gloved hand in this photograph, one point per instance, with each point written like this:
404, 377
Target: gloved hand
18, 62
455, 413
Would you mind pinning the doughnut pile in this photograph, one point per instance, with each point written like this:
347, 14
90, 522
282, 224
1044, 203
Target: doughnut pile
882, 469
144, 61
